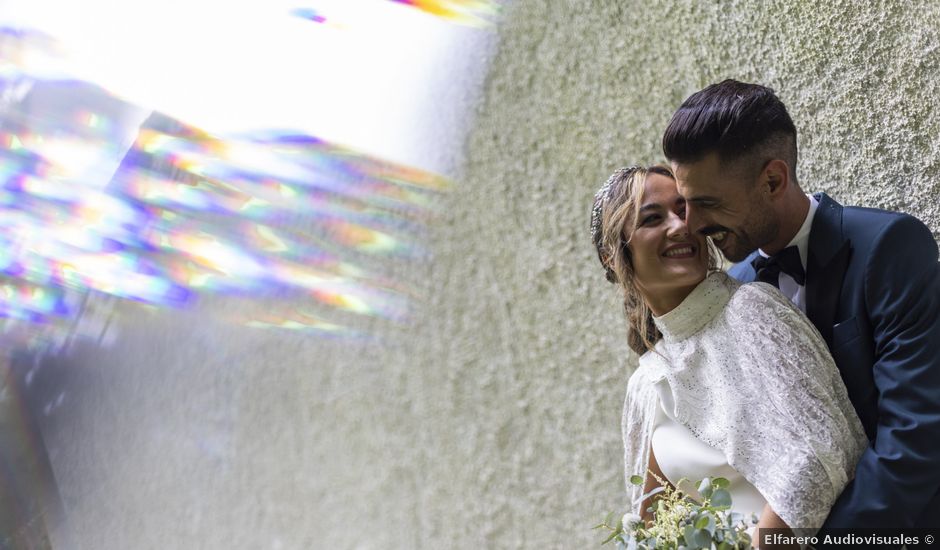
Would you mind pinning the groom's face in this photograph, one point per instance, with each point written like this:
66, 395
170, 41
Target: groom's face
723, 201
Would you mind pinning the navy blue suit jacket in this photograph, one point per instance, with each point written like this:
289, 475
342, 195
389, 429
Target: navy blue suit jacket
873, 292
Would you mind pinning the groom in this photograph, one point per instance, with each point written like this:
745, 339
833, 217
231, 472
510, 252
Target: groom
867, 279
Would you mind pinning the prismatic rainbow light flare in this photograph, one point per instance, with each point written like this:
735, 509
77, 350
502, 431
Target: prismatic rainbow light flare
188, 214
467, 12
278, 210
476, 13
304, 233
316, 16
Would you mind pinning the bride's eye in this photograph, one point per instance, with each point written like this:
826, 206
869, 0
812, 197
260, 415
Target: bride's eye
649, 219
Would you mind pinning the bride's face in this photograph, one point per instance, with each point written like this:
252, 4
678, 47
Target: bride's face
668, 261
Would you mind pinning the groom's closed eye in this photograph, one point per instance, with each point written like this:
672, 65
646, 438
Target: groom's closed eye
705, 203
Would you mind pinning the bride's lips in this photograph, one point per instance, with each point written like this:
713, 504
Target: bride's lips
681, 251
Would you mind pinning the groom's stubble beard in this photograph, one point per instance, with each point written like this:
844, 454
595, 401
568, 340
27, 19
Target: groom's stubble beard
760, 227
758, 230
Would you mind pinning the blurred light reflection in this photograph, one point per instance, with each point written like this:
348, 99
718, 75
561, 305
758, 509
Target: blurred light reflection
187, 213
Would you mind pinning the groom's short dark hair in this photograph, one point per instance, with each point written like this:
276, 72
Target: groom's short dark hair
734, 119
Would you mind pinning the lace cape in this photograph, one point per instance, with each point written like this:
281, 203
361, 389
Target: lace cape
748, 374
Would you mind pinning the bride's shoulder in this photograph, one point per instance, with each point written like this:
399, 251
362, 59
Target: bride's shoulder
756, 293
740, 294
757, 304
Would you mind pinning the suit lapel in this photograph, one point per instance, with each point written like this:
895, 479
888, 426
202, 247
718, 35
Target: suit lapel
827, 261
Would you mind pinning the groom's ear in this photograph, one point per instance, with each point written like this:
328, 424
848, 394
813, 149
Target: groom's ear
776, 177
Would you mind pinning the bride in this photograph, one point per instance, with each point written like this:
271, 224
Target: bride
733, 381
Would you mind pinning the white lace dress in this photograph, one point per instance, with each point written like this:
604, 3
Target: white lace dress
742, 386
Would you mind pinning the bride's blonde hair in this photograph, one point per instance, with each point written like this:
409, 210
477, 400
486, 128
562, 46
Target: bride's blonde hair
613, 220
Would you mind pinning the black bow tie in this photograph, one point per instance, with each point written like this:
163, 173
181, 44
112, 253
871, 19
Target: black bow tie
786, 261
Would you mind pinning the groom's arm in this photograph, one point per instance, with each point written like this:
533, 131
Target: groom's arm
899, 473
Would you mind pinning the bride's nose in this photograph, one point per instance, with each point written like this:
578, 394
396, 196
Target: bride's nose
677, 228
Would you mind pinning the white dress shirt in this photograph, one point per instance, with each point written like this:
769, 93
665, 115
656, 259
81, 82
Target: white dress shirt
789, 287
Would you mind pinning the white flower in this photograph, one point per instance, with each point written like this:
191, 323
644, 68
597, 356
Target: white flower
630, 521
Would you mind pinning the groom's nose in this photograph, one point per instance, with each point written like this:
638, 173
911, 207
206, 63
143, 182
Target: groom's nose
693, 218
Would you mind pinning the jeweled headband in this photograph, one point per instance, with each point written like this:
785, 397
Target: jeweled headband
600, 198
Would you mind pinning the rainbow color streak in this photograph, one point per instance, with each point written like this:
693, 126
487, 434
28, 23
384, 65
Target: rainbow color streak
187, 214
475, 13
468, 12
310, 14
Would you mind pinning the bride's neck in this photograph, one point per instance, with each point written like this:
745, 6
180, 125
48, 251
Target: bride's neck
664, 300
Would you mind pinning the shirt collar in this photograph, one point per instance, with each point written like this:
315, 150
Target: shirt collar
801, 239
697, 309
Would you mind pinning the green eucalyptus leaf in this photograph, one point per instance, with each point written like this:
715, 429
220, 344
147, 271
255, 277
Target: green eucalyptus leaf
720, 483
701, 522
711, 526
703, 539
705, 487
720, 499
636, 480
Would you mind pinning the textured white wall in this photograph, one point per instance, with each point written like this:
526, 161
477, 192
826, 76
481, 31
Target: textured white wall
530, 361
493, 422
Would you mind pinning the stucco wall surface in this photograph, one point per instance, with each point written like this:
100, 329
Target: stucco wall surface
494, 420
525, 363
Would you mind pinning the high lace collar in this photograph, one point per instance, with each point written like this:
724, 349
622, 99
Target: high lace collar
701, 306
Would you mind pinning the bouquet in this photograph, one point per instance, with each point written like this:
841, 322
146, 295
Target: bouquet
681, 522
